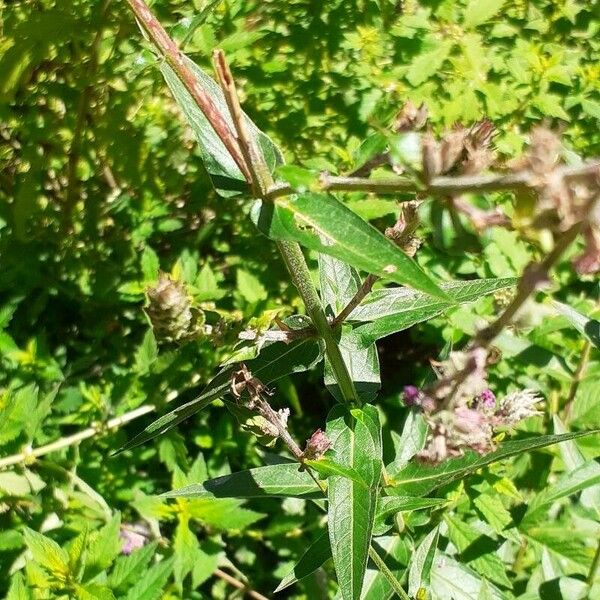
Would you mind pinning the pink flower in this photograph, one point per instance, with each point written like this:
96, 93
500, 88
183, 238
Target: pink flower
411, 395
486, 399
133, 537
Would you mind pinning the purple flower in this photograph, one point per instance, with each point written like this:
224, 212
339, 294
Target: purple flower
487, 399
411, 395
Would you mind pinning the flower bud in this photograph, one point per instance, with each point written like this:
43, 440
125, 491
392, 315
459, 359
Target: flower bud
316, 446
170, 311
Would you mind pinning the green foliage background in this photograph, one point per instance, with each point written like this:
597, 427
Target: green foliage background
101, 184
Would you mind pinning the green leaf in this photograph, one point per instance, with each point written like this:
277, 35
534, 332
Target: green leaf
452, 581
104, 546
573, 458
327, 467
356, 443
283, 480
275, 361
394, 309
127, 569
428, 63
477, 550
581, 478
550, 105
225, 174
151, 582
339, 284
47, 552
250, 287
222, 513
590, 328
586, 408
394, 550
185, 548
93, 591
322, 223
18, 589
147, 353
150, 264
391, 505
421, 563
419, 479
78, 554
317, 554
16, 411
477, 12
410, 442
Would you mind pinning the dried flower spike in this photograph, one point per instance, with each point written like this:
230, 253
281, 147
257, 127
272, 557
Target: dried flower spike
170, 311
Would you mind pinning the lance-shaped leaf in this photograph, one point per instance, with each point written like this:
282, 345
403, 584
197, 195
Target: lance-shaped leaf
395, 552
421, 563
282, 480
275, 361
224, 172
418, 479
410, 442
451, 580
590, 328
356, 441
388, 506
573, 458
339, 284
395, 309
322, 223
317, 554
571, 482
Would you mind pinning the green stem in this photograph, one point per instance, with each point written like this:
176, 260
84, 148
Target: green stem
384, 570
296, 264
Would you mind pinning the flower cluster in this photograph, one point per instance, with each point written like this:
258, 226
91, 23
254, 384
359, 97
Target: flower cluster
471, 419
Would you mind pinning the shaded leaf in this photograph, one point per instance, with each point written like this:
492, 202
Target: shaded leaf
590, 328
275, 361
283, 480
317, 554
224, 172
151, 582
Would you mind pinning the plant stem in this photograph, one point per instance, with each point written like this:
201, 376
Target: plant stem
440, 186
533, 276
70, 440
176, 60
242, 587
385, 571
364, 289
298, 269
578, 376
290, 251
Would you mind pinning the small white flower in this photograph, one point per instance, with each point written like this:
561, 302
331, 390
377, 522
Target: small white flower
518, 406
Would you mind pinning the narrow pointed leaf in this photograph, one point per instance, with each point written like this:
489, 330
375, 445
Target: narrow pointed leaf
318, 553
339, 284
590, 328
275, 361
327, 467
322, 223
394, 309
571, 482
411, 441
356, 439
225, 174
419, 479
282, 480
421, 563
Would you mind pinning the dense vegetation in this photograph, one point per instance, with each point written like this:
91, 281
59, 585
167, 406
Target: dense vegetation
127, 281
